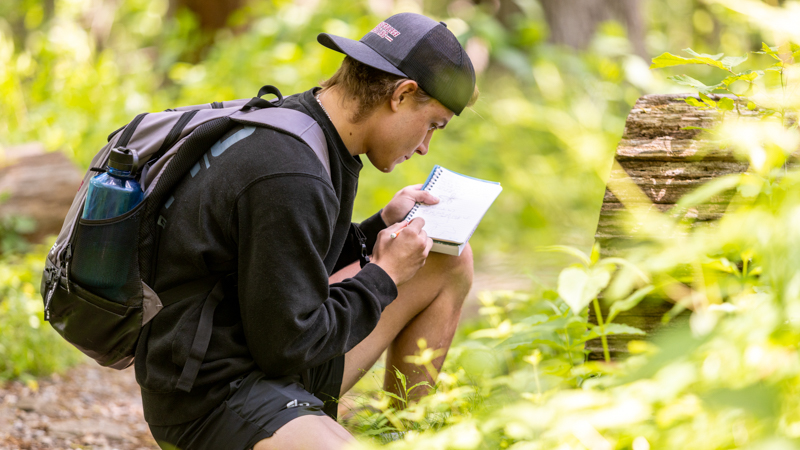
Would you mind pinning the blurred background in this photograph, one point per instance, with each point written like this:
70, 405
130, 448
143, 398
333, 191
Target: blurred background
558, 78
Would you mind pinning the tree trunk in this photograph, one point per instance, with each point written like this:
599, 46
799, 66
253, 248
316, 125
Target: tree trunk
211, 14
574, 22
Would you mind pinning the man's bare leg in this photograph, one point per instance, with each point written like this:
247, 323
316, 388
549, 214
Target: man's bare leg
429, 307
308, 432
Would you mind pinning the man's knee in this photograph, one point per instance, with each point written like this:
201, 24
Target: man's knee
455, 272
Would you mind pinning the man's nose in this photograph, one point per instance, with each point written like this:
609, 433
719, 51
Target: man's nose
423, 147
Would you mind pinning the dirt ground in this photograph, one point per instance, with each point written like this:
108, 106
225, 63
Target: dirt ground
89, 407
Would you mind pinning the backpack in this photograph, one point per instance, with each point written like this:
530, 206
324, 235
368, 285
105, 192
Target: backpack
105, 323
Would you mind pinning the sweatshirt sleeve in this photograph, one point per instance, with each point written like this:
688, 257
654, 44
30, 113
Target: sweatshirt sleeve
292, 318
371, 226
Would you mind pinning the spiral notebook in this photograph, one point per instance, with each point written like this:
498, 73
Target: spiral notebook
463, 201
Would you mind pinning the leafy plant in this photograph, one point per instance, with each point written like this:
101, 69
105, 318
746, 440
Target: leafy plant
29, 348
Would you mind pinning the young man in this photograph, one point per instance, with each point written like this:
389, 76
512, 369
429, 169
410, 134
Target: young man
301, 321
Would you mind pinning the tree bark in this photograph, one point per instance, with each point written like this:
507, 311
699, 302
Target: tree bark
211, 14
665, 160
574, 22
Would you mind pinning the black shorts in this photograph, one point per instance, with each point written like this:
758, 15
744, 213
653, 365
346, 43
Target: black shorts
257, 407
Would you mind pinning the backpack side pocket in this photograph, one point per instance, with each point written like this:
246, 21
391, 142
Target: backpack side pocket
106, 257
104, 330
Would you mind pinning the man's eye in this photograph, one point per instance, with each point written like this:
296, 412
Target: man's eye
432, 127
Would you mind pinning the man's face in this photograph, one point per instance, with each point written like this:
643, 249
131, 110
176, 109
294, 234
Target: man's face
400, 132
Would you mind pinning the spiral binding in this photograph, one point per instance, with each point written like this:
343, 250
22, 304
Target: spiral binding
433, 181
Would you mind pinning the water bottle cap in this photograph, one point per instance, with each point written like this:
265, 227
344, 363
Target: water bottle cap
123, 159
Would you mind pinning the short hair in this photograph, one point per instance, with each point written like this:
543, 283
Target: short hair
371, 87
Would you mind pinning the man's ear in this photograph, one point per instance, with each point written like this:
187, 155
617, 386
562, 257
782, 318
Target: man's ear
403, 93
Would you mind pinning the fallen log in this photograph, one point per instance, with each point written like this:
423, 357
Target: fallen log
663, 152
39, 185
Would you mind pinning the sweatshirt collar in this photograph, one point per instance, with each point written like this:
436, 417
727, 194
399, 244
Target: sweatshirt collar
352, 163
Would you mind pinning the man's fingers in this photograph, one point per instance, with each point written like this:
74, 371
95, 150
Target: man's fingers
397, 226
424, 197
428, 247
416, 224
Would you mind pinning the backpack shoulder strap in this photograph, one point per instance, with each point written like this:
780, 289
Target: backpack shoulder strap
290, 121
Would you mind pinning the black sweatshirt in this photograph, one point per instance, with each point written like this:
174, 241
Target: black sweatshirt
265, 209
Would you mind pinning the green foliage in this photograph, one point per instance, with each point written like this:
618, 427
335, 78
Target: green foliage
545, 126
11, 227
28, 346
726, 379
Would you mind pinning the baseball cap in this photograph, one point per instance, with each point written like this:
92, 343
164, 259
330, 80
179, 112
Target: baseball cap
414, 46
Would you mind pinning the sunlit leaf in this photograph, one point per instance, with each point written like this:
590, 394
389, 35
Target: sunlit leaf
714, 187
686, 80
696, 103
628, 303
725, 104
733, 61
628, 264
715, 57
579, 286
667, 59
609, 330
568, 250
745, 76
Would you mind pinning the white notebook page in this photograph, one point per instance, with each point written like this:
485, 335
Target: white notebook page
463, 201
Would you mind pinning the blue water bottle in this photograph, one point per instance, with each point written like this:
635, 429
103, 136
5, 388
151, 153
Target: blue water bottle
115, 192
105, 255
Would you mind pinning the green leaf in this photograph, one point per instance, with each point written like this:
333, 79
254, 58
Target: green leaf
704, 58
704, 55
710, 189
628, 264
579, 286
686, 80
751, 106
394, 396
595, 256
771, 51
667, 59
725, 104
630, 302
610, 329
696, 103
568, 250
707, 100
750, 75
733, 61
535, 319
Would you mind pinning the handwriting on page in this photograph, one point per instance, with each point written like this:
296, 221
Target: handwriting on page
454, 217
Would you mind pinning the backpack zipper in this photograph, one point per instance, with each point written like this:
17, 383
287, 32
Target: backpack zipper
53, 277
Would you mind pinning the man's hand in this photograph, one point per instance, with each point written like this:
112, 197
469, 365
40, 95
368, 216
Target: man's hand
401, 257
403, 201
